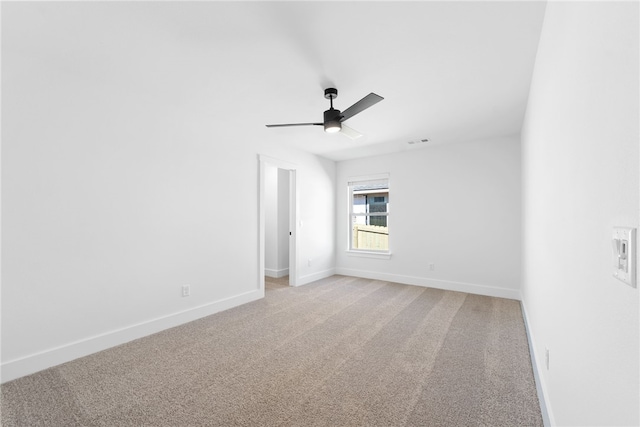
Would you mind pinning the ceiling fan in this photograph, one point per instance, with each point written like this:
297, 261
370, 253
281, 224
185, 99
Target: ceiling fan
333, 119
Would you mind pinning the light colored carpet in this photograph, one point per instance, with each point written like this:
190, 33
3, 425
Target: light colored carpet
342, 351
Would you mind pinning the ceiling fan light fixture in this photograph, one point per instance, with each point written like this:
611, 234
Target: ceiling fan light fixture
332, 126
332, 120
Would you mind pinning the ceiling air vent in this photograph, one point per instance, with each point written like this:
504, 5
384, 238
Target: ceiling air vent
419, 141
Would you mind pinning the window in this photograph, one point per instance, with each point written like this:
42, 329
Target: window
369, 214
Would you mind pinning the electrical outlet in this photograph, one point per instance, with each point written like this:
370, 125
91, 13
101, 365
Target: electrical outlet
186, 290
546, 358
432, 266
309, 263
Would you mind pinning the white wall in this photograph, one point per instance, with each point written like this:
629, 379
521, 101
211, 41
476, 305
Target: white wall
116, 195
454, 205
580, 179
316, 222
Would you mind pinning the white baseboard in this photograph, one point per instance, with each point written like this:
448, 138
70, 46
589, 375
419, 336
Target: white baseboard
46, 359
315, 276
276, 274
541, 387
471, 288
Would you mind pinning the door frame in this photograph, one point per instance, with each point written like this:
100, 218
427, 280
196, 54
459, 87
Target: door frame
263, 162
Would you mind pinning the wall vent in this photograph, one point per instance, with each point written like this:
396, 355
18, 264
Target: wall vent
419, 141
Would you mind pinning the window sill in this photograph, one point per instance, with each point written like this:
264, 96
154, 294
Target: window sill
370, 254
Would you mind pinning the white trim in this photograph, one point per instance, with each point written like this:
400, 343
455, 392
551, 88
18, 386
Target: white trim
17, 368
372, 177
281, 164
276, 274
541, 386
369, 254
316, 276
471, 288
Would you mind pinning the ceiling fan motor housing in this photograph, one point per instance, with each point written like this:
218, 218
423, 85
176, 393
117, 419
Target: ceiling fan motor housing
332, 120
332, 115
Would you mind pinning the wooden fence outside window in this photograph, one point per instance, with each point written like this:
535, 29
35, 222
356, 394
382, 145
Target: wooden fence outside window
370, 237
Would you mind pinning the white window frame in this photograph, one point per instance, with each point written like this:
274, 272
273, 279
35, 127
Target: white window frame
351, 183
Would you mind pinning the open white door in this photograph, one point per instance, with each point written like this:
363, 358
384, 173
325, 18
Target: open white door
264, 163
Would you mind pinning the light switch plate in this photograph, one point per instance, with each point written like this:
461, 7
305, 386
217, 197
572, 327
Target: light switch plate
624, 255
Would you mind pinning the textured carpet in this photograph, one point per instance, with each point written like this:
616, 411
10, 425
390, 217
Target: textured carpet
342, 351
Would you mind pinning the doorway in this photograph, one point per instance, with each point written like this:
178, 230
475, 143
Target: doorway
277, 220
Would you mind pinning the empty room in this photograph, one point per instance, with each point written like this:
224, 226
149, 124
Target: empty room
329, 213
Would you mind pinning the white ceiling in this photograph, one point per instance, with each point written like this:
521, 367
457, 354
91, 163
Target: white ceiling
449, 71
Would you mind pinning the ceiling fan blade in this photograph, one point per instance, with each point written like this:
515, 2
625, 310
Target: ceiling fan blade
361, 105
349, 132
295, 124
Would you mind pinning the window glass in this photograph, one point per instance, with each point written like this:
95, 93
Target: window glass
369, 214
